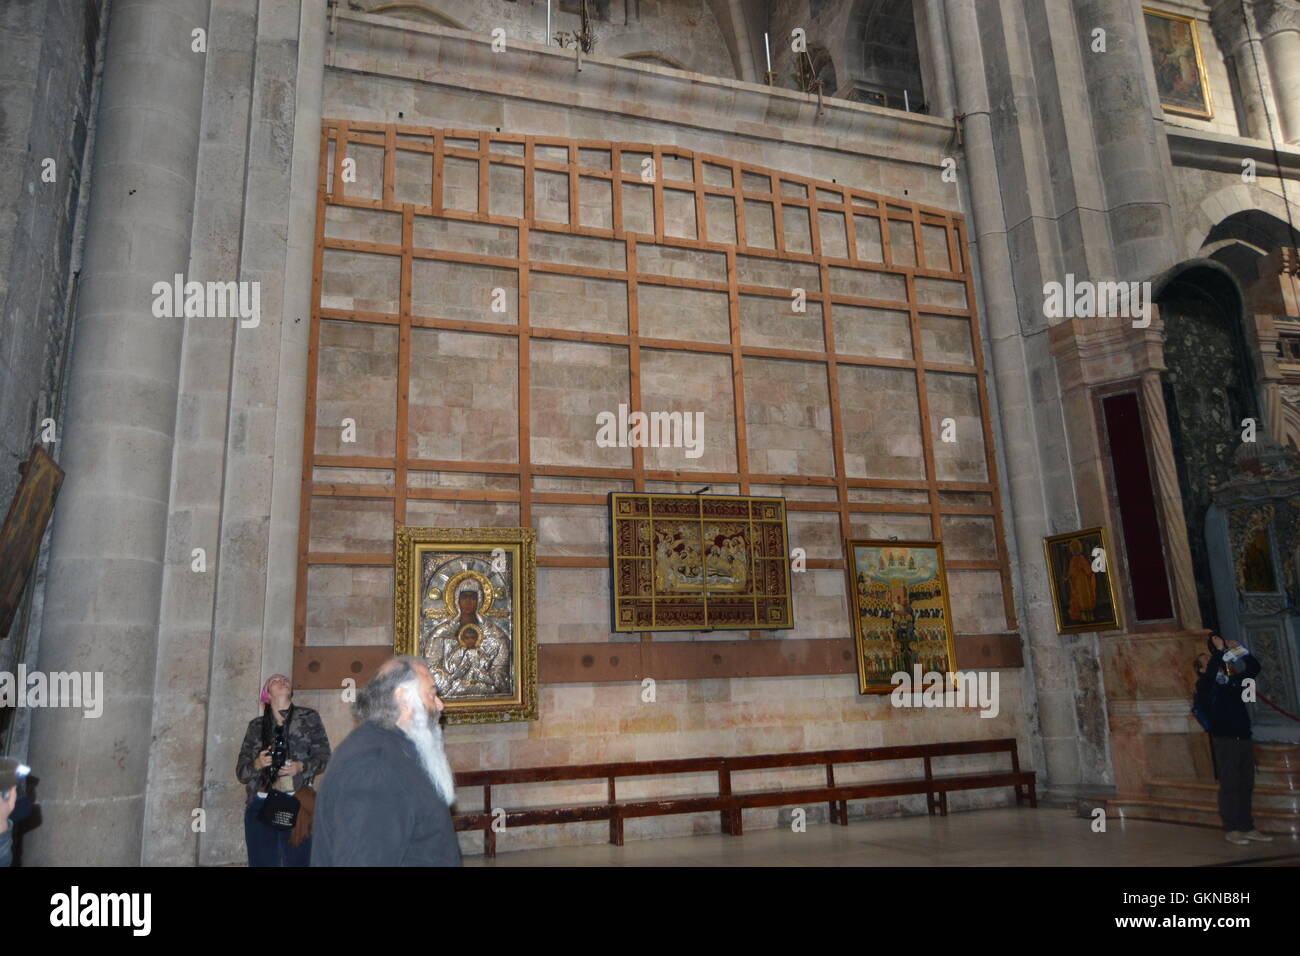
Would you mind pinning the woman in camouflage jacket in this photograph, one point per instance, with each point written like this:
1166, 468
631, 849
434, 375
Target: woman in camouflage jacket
307, 750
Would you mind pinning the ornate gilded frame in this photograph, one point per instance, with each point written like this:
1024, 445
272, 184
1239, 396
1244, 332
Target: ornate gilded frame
1116, 622
851, 563
521, 544
760, 512
1192, 25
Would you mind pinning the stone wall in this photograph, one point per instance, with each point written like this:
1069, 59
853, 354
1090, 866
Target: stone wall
464, 393
49, 54
47, 64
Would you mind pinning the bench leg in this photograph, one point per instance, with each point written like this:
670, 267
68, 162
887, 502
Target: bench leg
489, 842
844, 813
1020, 794
931, 804
616, 830
1033, 797
737, 823
943, 804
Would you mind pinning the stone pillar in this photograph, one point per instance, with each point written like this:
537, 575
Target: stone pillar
1238, 37
1130, 144
1182, 579
110, 526
1279, 28
930, 17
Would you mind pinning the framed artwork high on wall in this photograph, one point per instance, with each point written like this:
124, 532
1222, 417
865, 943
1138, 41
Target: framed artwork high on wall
1083, 592
1180, 69
899, 597
465, 601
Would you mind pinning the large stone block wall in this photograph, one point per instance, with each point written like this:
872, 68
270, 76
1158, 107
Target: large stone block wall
464, 393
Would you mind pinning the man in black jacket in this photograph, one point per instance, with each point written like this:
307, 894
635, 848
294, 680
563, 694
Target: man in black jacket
1219, 696
386, 800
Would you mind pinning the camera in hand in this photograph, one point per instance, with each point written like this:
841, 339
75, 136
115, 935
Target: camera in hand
279, 757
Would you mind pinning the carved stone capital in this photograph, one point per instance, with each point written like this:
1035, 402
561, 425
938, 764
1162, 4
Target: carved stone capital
1274, 16
1229, 24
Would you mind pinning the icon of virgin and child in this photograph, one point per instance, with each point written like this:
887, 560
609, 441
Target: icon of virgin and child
468, 652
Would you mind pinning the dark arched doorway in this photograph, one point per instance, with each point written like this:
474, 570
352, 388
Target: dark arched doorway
1209, 391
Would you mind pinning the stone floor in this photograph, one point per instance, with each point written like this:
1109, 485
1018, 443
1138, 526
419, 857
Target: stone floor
1003, 837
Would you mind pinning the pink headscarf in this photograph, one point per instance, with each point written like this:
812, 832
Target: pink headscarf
266, 688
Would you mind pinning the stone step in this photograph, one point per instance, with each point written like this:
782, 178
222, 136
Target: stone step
1267, 796
1199, 813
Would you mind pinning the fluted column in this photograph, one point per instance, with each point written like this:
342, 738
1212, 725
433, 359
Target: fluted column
1279, 28
1237, 33
110, 525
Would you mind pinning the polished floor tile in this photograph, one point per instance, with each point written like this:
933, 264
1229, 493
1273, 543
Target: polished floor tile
1004, 837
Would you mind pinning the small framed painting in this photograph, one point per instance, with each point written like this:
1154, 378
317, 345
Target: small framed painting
1083, 594
1180, 70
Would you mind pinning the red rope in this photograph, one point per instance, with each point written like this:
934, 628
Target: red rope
1284, 713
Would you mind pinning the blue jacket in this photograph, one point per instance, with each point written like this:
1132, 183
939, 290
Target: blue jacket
7, 847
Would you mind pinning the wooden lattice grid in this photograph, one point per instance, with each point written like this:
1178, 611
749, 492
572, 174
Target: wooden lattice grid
487, 149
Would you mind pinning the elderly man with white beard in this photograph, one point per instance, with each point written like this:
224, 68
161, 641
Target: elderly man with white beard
386, 800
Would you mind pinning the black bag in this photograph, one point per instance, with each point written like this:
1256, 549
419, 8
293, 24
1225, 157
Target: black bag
280, 811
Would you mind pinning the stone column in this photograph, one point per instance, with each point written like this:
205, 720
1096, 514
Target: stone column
1238, 37
1279, 28
110, 526
1130, 144
1055, 752
930, 17
1182, 579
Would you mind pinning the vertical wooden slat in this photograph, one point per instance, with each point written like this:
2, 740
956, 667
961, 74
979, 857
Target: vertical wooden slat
390, 167
923, 404
439, 167
524, 343
402, 449
483, 167
309, 423
990, 452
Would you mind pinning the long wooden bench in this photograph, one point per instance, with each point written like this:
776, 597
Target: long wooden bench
728, 802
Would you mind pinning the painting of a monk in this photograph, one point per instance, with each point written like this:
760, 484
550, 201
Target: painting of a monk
1082, 593
1083, 584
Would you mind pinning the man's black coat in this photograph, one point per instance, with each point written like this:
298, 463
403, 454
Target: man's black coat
377, 807
1222, 703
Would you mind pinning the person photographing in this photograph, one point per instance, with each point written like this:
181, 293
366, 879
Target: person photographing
1219, 696
283, 750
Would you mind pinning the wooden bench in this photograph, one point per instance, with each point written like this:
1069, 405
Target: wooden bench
730, 803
